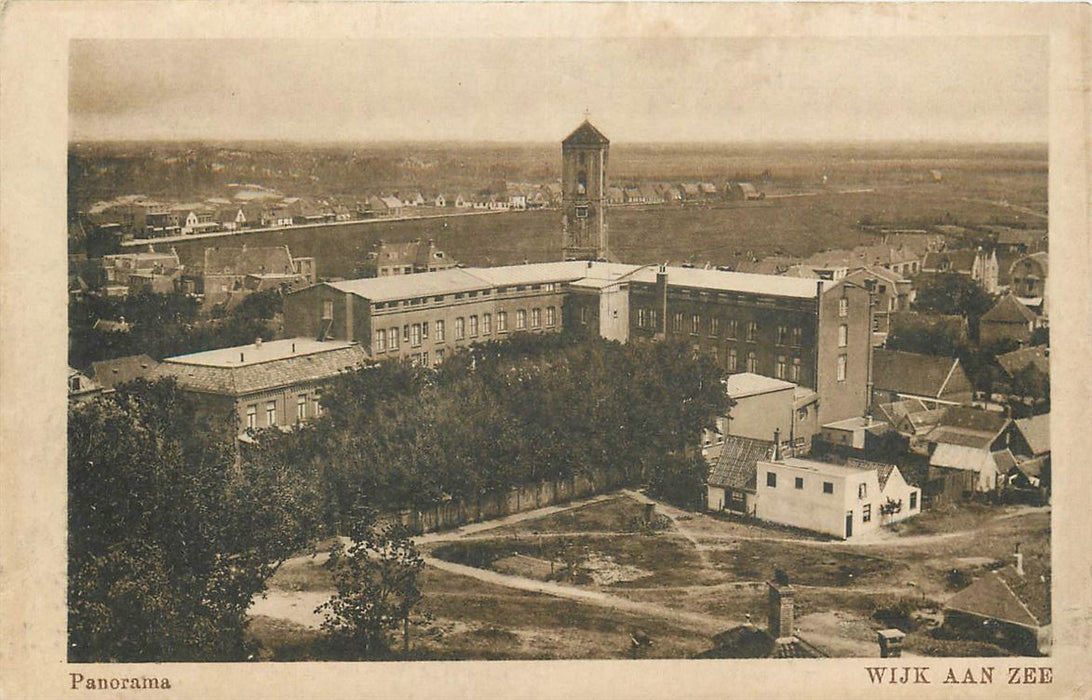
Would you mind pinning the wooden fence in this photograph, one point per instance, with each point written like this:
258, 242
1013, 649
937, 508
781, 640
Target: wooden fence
497, 504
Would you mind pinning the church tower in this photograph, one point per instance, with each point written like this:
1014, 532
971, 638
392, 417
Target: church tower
584, 194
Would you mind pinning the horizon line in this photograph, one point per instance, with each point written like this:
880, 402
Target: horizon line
523, 142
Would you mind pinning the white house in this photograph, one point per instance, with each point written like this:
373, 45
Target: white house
841, 500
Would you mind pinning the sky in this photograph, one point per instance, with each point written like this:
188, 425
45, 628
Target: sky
966, 89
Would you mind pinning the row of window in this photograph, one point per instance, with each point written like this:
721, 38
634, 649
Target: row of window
786, 335
798, 483
471, 326
473, 294
271, 411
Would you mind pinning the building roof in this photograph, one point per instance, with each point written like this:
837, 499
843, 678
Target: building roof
111, 373
895, 411
749, 384
772, 285
1036, 431
964, 457
586, 135
750, 642
1008, 310
950, 260
917, 375
247, 260
449, 281
883, 471
541, 273
1007, 596
734, 466
248, 369
974, 419
825, 468
1042, 258
1038, 356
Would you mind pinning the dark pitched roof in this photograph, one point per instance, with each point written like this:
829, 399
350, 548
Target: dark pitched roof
1008, 310
248, 379
1037, 356
1007, 596
586, 135
920, 375
750, 642
111, 373
976, 419
735, 466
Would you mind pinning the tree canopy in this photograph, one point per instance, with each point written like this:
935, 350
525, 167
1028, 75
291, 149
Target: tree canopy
168, 540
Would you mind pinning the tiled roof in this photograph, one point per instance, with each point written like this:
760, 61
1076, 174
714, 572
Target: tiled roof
969, 418
911, 373
241, 380
586, 135
975, 439
1036, 430
1008, 310
736, 464
995, 596
883, 471
111, 373
750, 642
247, 260
1042, 258
1036, 355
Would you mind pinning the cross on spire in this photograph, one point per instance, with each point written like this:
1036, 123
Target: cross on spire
587, 113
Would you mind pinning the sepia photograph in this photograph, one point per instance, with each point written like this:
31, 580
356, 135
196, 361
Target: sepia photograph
613, 346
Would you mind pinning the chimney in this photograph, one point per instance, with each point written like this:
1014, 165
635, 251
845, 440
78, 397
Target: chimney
241, 358
661, 293
777, 444
293, 348
258, 342
1019, 560
890, 643
780, 611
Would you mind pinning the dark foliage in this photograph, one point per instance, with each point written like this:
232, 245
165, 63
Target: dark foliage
501, 414
168, 541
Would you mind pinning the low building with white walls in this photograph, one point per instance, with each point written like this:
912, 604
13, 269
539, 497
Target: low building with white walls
844, 501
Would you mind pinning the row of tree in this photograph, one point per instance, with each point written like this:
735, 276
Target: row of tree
173, 530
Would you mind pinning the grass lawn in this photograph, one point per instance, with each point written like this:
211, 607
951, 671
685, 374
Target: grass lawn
619, 514
756, 560
668, 561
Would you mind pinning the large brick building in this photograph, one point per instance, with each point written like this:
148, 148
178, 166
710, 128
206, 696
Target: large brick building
814, 333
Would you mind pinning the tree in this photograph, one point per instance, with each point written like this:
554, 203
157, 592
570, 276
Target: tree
680, 479
954, 294
168, 541
377, 589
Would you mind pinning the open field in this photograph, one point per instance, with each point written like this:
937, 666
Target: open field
714, 234
845, 591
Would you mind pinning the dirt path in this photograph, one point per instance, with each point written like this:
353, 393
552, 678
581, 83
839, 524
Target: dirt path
294, 606
696, 621
675, 515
